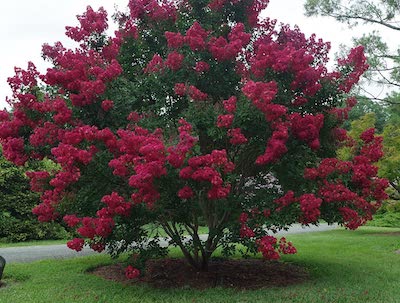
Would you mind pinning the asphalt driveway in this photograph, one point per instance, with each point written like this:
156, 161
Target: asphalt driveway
61, 251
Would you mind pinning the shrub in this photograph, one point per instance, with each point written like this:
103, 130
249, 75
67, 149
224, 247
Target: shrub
17, 223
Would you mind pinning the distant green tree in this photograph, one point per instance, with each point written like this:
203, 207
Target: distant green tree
382, 112
17, 223
384, 62
390, 164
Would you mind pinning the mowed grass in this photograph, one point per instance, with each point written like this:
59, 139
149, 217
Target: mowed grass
345, 266
32, 243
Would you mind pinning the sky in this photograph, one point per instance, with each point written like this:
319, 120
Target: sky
25, 25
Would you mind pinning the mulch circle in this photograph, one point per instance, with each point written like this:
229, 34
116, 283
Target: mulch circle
239, 274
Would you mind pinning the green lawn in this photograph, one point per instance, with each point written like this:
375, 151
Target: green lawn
32, 243
345, 266
154, 230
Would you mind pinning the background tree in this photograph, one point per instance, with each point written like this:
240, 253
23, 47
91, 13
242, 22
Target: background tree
17, 223
382, 113
384, 61
390, 164
194, 113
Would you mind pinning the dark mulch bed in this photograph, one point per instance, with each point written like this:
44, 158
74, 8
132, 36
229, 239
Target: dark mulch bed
239, 274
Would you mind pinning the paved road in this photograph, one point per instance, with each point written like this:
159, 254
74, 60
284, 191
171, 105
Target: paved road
40, 252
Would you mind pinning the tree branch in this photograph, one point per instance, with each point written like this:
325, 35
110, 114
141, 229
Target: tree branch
359, 17
395, 186
171, 231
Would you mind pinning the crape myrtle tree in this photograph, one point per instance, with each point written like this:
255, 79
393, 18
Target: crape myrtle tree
195, 113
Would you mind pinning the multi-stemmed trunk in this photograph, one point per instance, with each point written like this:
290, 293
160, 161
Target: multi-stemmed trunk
199, 252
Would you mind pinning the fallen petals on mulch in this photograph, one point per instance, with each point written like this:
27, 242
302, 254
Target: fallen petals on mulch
239, 274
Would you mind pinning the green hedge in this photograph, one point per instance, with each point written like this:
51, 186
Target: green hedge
388, 215
17, 223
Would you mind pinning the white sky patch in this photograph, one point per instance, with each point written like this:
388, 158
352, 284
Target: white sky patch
26, 25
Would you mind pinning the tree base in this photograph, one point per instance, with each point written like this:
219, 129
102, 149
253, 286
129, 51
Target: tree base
239, 274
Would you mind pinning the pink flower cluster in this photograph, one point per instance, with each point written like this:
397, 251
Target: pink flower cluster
284, 57
373, 145
196, 94
107, 105
260, 93
145, 155
310, 208
98, 229
230, 104
39, 179
116, 205
254, 10
70, 158
286, 200
342, 114
358, 63
95, 229
174, 61
192, 91
336, 192
174, 40
276, 145
90, 22
236, 136
224, 50
76, 244
363, 193
131, 272
210, 168
270, 248
178, 153
196, 37
327, 167
245, 231
225, 121
201, 67
307, 128
84, 72
157, 64
156, 11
